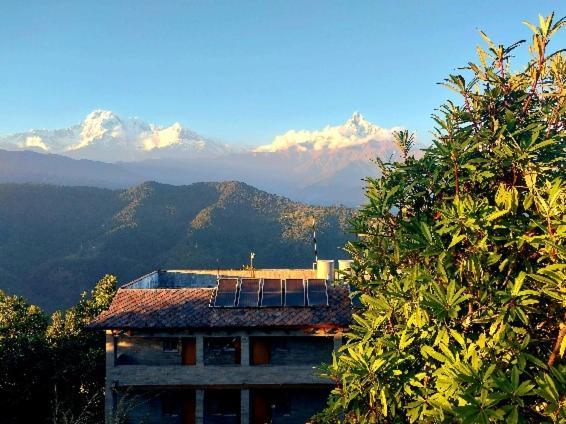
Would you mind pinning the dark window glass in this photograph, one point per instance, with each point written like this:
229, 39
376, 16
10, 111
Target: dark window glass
222, 350
170, 405
171, 344
222, 406
281, 403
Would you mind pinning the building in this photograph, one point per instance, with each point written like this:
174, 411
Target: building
222, 346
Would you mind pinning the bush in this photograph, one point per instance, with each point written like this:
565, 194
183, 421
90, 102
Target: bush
461, 259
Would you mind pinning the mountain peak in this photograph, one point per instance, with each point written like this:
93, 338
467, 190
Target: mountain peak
100, 114
357, 119
106, 136
97, 125
355, 131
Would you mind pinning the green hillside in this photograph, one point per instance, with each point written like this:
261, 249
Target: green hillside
57, 241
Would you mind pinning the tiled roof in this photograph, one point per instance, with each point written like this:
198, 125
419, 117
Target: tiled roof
189, 308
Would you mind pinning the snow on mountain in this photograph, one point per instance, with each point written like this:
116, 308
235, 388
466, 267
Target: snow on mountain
354, 132
323, 166
105, 136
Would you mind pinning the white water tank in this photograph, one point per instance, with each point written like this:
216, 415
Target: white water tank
325, 269
345, 264
344, 267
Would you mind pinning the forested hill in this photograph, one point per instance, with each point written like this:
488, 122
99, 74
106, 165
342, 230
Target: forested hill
55, 242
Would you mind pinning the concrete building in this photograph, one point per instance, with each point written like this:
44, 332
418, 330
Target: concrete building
222, 346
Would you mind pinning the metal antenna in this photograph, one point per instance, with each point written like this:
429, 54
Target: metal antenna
314, 239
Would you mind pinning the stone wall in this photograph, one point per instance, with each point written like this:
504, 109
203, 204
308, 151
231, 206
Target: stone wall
286, 349
299, 350
145, 351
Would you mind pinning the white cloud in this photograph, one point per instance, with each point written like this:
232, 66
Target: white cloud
34, 141
163, 137
355, 131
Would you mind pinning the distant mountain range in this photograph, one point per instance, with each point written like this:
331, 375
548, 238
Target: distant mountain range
56, 241
323, 167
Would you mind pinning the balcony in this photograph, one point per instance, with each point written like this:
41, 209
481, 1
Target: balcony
210, 375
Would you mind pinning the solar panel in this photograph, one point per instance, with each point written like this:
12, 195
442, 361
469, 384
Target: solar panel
272, 295
249, 292
294, 292
226, 292
227, 285
317, 294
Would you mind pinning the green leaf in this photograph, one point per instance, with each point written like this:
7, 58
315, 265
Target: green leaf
457, 238
383, 402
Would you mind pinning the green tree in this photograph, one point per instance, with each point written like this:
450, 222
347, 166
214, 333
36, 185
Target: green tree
23, 359
53, 370
405, 141
78, 355
461, 259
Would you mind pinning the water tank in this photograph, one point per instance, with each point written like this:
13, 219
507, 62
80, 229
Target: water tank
344, 267
325, 269
345, 264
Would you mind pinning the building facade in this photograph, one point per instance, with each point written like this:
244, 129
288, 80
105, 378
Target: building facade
246, 350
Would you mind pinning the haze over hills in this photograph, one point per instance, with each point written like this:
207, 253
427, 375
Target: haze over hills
324, 166
57, 241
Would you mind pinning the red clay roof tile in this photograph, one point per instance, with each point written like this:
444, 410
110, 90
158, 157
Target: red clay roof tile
189, 308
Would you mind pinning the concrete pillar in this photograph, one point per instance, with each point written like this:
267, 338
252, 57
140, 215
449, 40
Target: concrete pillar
245, 406
199, 346
337, 341
199, 406
245, 351
111, 353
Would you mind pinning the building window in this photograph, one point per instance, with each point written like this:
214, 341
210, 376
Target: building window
222, 351
170, 406
281, 403
292, 350
270, 405
222, 406
269, 350
170, 344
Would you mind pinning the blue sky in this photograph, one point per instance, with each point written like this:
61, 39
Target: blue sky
242, 71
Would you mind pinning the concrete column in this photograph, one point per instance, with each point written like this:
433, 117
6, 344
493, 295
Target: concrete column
111, 344
199, 346
245, 406
337, 341
199, 406
245, 350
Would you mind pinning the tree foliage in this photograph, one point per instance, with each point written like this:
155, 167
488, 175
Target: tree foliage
461, 260
52, 370
86, 231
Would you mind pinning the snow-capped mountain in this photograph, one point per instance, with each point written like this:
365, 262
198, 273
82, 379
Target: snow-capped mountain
105, 136
355, 132
322, 166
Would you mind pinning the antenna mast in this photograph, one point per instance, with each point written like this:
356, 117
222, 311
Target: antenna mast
314, 239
